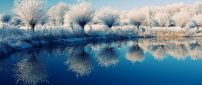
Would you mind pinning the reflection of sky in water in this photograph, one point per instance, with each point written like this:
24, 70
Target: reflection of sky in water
146, 61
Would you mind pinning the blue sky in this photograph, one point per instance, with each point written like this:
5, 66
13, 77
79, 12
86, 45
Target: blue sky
6, 5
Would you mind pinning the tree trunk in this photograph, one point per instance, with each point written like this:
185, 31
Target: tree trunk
138, 26
32, 27
198, 26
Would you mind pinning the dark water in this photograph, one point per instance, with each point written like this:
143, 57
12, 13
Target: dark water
162, 61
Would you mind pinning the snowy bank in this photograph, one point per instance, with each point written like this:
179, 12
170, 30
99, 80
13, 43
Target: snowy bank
168, 31
15, 38
22, 45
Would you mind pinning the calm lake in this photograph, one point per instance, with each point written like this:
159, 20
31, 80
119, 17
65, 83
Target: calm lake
154, 61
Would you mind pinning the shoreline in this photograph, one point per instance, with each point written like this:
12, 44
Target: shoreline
37, 41
23, 44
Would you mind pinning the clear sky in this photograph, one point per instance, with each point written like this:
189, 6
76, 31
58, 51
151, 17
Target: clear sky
6, 5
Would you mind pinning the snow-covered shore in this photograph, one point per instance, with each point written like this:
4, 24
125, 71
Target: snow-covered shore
15, 39
25, 44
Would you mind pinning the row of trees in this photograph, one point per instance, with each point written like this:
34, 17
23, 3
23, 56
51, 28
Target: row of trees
181, 15
33, 12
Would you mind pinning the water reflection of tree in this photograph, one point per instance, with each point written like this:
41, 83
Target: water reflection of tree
107, 56
79, 61
118, 44
195, 46
135, 54
30, 70
58, 51
178, 51
195, 50
159, 52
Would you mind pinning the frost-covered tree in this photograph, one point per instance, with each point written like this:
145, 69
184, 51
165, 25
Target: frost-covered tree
124, 20
30, 12
108, 16
162, 18
16, 21
197, 7
1, 23
182, 18
80, 14
136, 17
56, 13
148, 13
43, 21
6, 18
174, 8
198, 20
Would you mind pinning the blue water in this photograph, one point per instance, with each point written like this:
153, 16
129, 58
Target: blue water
129, 62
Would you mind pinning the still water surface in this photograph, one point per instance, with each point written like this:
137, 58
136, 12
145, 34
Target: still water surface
160, 61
